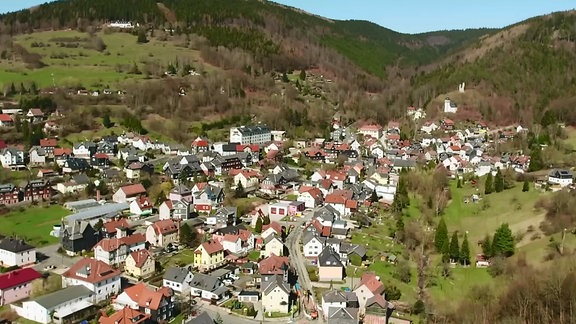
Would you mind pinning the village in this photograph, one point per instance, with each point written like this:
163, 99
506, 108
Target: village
245, 230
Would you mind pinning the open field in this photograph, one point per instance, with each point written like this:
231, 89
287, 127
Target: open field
182, 258
91, 68
510, 206
33, 224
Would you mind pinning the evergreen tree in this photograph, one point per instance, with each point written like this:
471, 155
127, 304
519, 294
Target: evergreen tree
142, 37
401, 198
399, 228
454, 248
536, 162
526, 186
374, 197
489, 184
499, 182
239, 191
106, 121
487, 246
303, 75
285, 78
503, 242
258, 227
446, 251
441, 235
266, 220
188, 236
12, 90
459, 183
465, 251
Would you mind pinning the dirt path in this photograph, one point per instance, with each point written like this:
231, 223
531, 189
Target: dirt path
522, 227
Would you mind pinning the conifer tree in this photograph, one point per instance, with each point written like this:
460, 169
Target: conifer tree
503, 242
441, 235
526, 186
487, 246
499, 182
454, 248
465, 251
489, 184
258, 227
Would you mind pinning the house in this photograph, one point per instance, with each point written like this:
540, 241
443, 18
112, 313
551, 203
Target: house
101, 279
233, 244
312, 245
178, 279
116, 228
344, 315
311, 196
114, 251
274, 228
16, 252
209, 255
207, 287
329, 265
57, 306
71, 164
337, 299
78, 183
272, 245
482, 261
16, 285
341, 201
368, 287
279, 265
207, 198
450, 107
200, 145
372, 130
140, 264
256, 134
35, 115
84, 150
159, 303
163, 233
13, 158
135, 170
129, 193
248, 296
142, 206
275, 294
249, 179
126, 315
100, 161
175, 209
78, 237
37, 155
36, 190
563, 178
9, 194
6, 120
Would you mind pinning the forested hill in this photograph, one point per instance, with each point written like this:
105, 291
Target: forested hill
523, 71
282, 36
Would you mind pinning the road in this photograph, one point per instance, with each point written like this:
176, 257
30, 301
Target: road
297, 259
48, 255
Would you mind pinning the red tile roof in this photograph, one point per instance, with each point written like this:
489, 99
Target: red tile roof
112, 244
140, 257
165, 226
231, 238
133, 190
112, 226
48, 142
18, 277
126, 315
144, 203
36, 112
101, 156
272, 264
91, 270
275, 225
5, 118
370, 127
147, 298
62, 151
200, 143
372, 282
352, 204
211, 247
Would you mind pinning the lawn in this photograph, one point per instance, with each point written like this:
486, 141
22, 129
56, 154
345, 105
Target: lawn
254, 256
33, 224
182, 258
455, 288
74, 66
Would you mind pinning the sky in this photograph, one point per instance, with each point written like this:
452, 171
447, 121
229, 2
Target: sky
409, 16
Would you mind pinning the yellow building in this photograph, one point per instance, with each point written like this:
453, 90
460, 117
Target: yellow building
139, 264
209, 255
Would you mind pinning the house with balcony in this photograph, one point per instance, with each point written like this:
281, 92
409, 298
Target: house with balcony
101, 279
209, 255
9, 194
13, 158
160, 304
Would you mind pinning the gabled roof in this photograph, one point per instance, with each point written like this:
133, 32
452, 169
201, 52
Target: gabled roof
140, 257
211, 247
165, 226
91, 270
372, 282
176, 274
273, 264
18, 277
5, 118
48, 142
133, 190
329, 258
270, 282
274, 225
14, 245
112, 244
112, 226
146, 297
126, 315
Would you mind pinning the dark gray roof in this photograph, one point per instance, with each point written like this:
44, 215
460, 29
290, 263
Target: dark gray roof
329, 258
342, 315
327, 212
205, 282
254, 130
269, 282
338, 296
248, 293
203, 318
81, 178
14, 245
60, 297
176, 274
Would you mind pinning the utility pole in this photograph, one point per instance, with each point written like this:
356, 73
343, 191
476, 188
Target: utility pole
562, 243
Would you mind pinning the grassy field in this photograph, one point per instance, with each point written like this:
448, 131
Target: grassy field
182, 258
33, 224
571, 139
510, 206
73, 66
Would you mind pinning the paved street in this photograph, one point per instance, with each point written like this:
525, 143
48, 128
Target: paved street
54, 258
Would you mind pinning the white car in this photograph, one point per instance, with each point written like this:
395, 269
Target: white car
49, 267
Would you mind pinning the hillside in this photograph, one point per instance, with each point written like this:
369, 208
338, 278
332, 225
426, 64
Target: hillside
288, 37
521, 71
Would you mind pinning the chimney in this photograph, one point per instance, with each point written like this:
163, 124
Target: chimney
97, 195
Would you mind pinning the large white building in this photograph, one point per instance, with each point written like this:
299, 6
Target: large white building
256, 134
450, 107
562, 177
15, 252
97, 276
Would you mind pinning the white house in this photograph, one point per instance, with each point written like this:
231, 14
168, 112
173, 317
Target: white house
232, 243
372, 130
178, 279
97, 276
115, 250
56, 306
141, 206
15, 252
272, 245
311, 197
129, 193
13, 158
257, 134
37, 155
449, 106
84, 150
562, 177
275, 294
312, 245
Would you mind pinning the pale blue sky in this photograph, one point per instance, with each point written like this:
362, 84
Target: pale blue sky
409, 16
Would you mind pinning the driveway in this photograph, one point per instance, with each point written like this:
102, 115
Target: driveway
48, 255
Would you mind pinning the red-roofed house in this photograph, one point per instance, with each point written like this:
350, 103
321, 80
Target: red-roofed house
372, 130
6, 120
274, 264
16, 285
129, 193
232, 243
49, 144
126, 315
97, 276
200, 145
342, 201
271, 229
209, 255
116, 228
311, 196
159, 303
162, 233
250, 179
115, 250
140, 264
368, 287
141, 206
